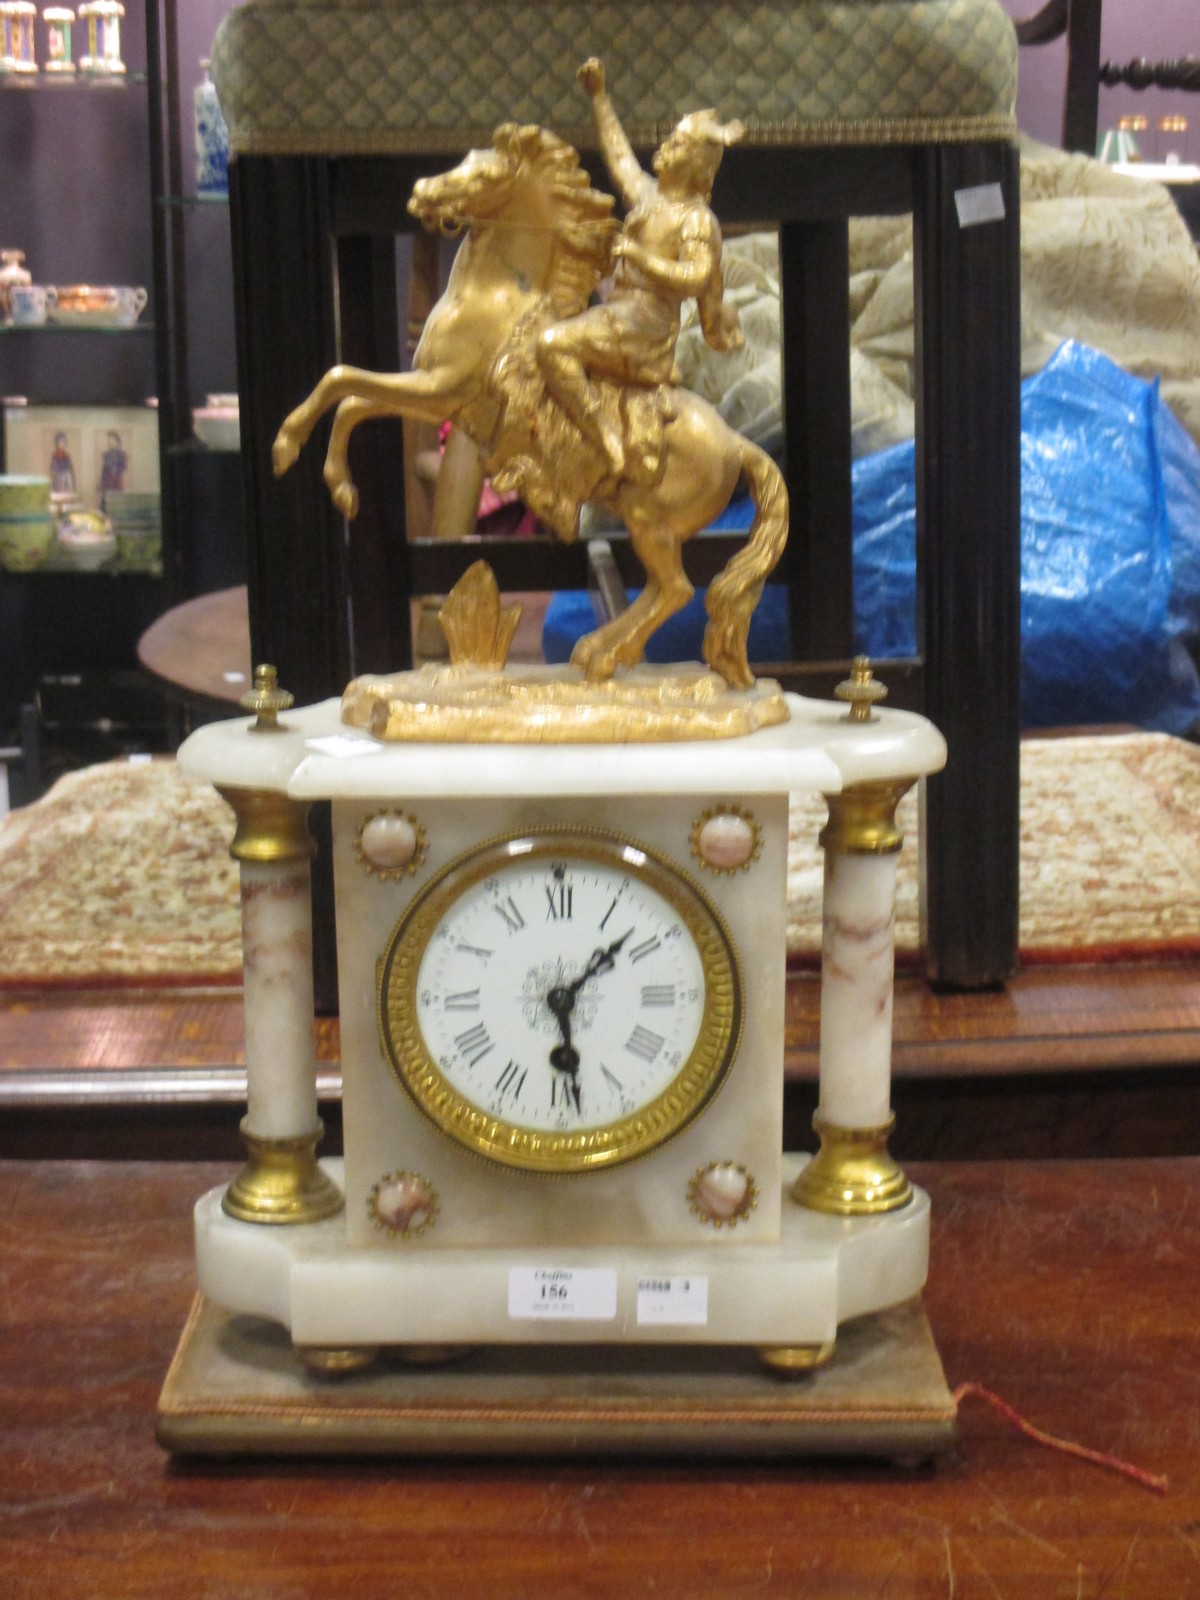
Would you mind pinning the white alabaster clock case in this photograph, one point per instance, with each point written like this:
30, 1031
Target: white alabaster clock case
561, 975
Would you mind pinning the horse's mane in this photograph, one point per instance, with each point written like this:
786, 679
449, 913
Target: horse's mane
585, 227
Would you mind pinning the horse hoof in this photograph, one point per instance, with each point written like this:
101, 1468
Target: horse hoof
595, 665
345, 498
283, 452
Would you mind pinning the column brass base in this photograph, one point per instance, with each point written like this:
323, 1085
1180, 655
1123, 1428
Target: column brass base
852, 1174
281, 1182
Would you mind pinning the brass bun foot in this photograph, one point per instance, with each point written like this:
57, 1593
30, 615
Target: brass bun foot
791, 1360
336, 1361
281, 1182
429, 1355
852, 1174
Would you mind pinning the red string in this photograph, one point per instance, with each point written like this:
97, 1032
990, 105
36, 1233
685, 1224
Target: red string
1148, 1480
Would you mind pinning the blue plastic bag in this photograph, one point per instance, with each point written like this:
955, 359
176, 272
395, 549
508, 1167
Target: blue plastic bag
1110, 554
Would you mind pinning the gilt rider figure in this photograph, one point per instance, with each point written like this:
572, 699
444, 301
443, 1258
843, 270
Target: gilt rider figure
669, 252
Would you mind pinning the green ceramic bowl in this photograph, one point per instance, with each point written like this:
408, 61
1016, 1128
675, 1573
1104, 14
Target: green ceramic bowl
25, 541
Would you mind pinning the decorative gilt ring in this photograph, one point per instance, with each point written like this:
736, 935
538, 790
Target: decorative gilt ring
390, 844
722, 1194
725, 840
403, 1204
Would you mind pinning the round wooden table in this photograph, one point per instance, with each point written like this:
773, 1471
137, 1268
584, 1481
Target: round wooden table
201, 649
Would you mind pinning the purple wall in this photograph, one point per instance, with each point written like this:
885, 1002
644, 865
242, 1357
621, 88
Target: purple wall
1159, 31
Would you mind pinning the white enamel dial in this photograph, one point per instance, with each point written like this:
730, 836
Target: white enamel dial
570, 1001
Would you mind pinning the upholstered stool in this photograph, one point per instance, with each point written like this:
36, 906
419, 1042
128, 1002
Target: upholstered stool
852, 108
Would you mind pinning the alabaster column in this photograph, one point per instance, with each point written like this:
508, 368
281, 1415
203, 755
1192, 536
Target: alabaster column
853, 1174
281, 1181
281, 1072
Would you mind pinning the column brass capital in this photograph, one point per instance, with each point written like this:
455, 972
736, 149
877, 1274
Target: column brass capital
271, 827
862, 818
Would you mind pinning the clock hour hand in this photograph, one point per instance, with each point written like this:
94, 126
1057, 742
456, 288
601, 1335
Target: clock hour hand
564, 1056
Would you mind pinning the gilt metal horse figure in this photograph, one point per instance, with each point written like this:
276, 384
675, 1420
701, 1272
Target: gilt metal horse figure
538, 239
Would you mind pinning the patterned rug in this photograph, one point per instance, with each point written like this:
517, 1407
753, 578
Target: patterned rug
121, 876
1110, 854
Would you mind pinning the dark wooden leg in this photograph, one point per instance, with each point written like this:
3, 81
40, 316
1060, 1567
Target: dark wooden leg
968, 557
380, 582
298, 584
1081, 101
284, 302
814, 264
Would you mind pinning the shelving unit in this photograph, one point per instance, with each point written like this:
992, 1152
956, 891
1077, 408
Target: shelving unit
66, 622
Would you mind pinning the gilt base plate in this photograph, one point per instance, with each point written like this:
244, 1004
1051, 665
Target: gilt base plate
237, 1386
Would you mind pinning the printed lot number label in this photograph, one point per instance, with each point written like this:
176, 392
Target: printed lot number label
563, 1294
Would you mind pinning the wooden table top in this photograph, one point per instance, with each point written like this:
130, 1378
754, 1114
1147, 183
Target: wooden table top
1069, 1288
201, 649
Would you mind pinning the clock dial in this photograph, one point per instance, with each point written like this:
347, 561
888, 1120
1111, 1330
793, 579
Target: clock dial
560, 1001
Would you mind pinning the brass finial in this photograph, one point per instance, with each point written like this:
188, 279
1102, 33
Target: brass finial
267, 699
861, 689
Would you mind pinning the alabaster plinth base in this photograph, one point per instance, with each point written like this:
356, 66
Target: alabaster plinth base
237, 1386
822, 1272
558, 705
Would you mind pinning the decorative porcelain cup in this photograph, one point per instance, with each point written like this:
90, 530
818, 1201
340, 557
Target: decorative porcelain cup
26, 525
130, 305
28, 304
59, 21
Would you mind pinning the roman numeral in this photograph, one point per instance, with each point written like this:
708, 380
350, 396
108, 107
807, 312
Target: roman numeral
613, 1079
508, 1079
474, 1044
564, 1093
508, 911
642, 1042
608, 913
475, 950
656, 994
464, 1000
639, 952
558, 898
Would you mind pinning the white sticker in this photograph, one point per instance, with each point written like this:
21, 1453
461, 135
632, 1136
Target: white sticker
983, 203
140, 758
673, 1302
342, 745
234, 677
567, 1294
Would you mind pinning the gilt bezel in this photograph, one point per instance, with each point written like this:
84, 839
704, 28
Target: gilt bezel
535, 1150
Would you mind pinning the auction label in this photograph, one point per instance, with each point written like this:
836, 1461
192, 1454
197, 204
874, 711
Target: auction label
673, 1302
566, 1294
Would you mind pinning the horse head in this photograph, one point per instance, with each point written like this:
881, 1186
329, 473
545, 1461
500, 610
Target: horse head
531, 179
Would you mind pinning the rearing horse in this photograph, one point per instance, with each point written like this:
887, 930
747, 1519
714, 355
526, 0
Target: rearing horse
538, 241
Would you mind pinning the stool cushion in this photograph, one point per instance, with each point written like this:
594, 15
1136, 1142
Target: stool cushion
390, 77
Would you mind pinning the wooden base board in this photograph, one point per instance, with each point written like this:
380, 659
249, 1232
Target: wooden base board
237, 1387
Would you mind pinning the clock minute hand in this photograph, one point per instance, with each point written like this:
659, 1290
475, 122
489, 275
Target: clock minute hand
561, 1001
601, 961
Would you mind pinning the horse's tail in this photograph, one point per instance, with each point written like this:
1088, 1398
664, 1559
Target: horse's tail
735, 591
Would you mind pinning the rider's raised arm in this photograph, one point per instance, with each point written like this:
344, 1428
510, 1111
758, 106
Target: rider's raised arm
623, 165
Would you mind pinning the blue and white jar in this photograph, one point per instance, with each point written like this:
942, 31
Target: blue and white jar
212, 139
